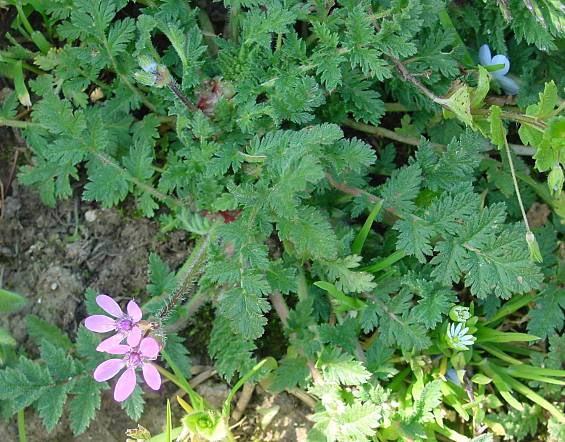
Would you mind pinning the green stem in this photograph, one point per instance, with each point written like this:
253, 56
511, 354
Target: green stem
16, 123
385, 263
22, 426
514, 116
208, 31
448, 432
23, 18
149, 189
516, 188
386, 133
270, 364
391, 135
179, 380
124, 78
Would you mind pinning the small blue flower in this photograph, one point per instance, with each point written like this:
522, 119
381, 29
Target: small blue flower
451, 375
509, 86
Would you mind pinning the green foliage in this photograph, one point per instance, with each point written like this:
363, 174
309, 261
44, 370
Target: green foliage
463, 240
40, 330
261, 132
547, 317
47, 387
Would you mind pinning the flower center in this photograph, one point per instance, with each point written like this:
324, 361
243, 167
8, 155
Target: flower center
134, 359
125, 324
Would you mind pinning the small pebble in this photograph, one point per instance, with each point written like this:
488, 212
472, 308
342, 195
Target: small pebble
90, 216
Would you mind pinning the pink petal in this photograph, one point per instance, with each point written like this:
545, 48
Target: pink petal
108, 369
134, 337
151, 376
125, 385
149, 348
109, 305
134, 311
99, 323
118, 349
110, 342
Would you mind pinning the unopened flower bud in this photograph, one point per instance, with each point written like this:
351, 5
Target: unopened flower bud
145, 78
459, 313
163, 77
147, 64
555, 180
535, 254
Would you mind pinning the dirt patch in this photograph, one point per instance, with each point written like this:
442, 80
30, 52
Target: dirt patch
280, 418
51, 256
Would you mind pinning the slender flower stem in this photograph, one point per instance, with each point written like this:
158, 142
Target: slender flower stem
386, 133
173, 86
407, 76
188, 275
516, 188
16, 123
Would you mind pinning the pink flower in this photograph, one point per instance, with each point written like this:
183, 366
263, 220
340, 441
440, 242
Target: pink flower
138, 353
124, 324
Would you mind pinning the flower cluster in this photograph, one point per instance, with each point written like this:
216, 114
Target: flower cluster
138, 352
509, 86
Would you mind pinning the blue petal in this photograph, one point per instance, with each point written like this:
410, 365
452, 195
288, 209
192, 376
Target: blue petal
509, 86
484, 55
451, 376
500, 59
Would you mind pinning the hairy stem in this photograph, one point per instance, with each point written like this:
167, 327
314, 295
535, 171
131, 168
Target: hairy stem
173, 86
188, 276
146, 187
351, 190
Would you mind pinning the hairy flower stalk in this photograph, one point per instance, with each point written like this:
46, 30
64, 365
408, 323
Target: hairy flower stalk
157, 75
188, 275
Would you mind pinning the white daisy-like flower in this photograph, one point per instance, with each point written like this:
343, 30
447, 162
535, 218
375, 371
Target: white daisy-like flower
457, 337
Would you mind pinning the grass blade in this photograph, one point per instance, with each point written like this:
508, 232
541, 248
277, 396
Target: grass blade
169, 428
359, 241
